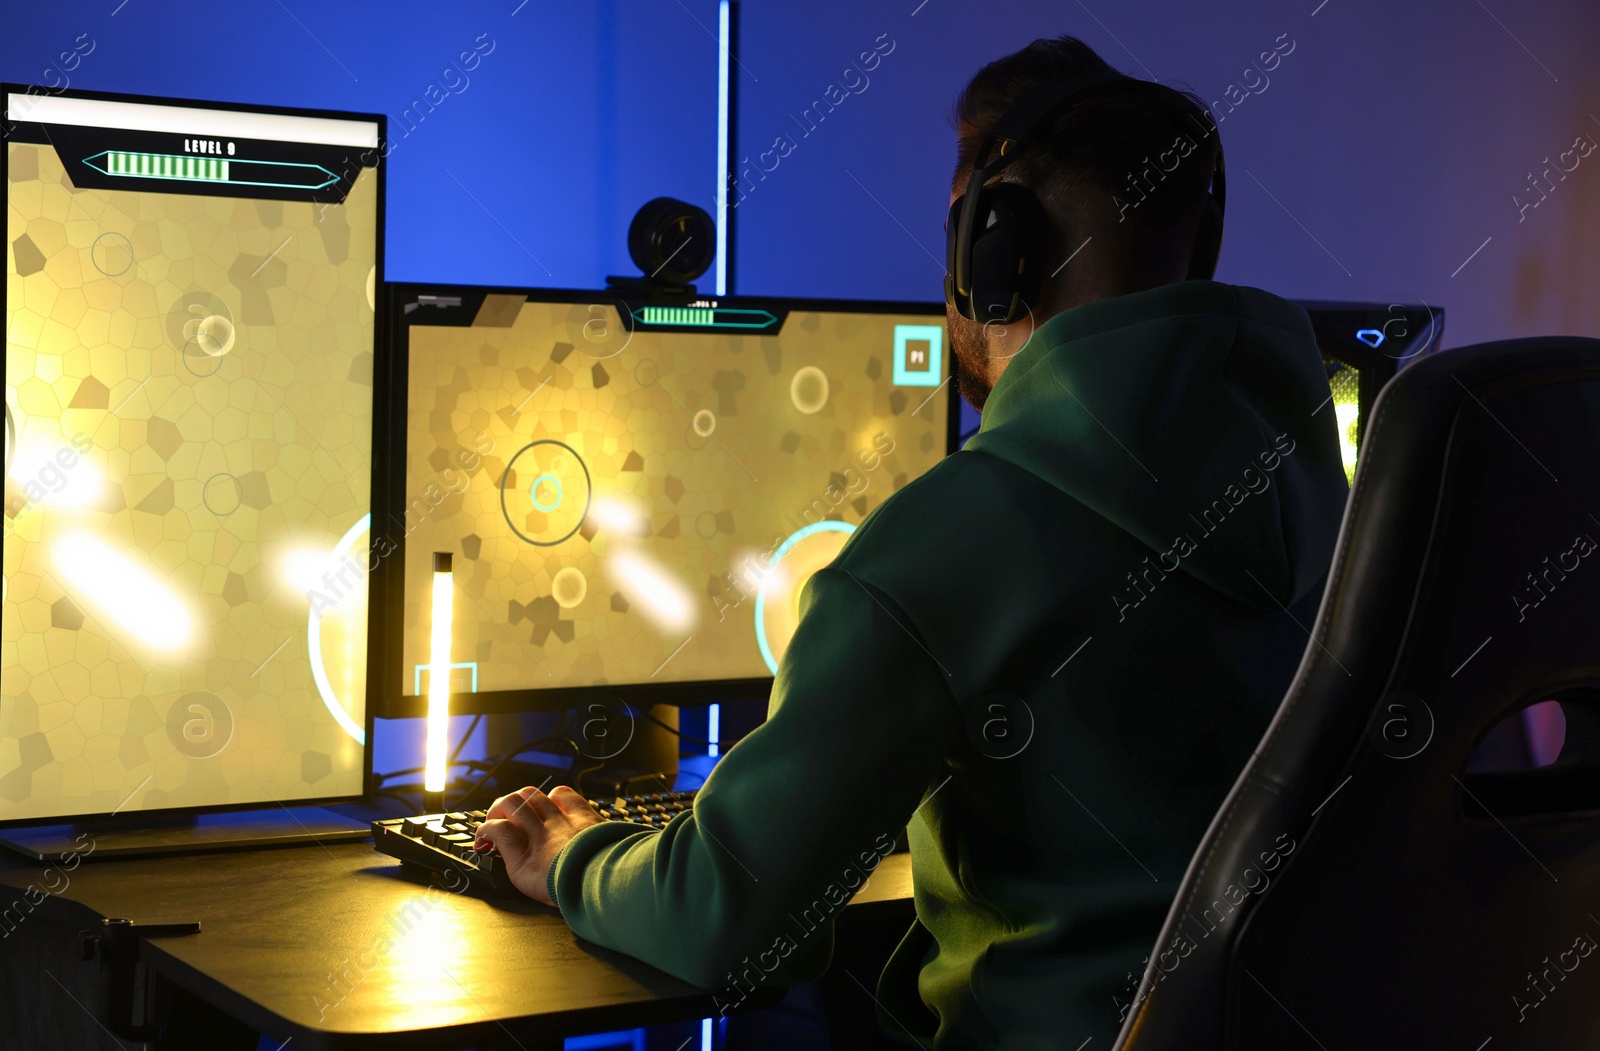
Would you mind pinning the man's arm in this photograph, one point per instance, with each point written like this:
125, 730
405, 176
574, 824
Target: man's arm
793, 818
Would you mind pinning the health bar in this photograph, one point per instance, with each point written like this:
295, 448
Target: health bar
705, 317
288, 175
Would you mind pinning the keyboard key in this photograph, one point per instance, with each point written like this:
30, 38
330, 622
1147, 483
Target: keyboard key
444, 842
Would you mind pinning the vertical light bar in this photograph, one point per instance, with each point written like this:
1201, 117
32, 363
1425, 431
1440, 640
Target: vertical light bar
724, 51
439, 676
705, 1034
713, 728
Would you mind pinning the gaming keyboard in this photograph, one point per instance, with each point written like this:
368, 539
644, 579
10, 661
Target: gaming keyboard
442, 843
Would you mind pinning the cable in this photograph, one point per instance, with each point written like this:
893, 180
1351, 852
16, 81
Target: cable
381, 778
528, 747
561, 723
378, 780
676, 733
466, 736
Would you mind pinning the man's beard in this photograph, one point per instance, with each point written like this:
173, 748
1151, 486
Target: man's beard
971, 350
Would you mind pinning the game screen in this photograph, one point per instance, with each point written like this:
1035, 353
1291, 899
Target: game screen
640, 499
189, 358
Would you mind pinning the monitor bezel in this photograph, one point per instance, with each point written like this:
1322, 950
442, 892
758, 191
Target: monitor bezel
122, 815
386, 584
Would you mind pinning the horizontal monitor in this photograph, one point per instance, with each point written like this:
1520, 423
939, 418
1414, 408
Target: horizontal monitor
634, 495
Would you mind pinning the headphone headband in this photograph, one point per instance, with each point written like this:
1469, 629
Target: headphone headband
1028, 116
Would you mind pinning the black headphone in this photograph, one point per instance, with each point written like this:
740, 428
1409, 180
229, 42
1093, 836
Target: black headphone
994, 273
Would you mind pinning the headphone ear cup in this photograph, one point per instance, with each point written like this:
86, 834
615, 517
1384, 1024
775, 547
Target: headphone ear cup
953, 298
1008, 249
1207, 242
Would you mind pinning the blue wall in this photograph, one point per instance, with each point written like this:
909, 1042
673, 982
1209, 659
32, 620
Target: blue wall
527, 173
1393, 134
1386, 148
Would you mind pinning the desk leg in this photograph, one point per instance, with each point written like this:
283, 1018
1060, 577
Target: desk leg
48, 995
189, 1023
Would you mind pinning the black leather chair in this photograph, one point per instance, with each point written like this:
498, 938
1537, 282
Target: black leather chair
1362, 886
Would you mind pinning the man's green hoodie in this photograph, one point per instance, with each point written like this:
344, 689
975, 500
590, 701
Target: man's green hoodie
1051, 654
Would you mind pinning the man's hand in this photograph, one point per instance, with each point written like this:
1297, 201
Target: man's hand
529, 829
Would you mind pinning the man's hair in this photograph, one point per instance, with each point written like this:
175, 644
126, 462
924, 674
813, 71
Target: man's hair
1110, 166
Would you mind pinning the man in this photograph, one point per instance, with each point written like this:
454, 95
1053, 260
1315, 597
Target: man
1051, 654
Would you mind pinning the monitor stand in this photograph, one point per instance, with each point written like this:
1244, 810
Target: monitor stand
649, 761
181, 834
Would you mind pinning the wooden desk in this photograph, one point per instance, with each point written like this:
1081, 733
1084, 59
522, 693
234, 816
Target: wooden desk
333, 947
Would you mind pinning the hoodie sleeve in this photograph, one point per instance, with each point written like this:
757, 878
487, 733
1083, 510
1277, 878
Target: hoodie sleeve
743, 888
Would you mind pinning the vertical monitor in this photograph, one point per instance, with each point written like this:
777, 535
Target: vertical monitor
633, 495
189, 312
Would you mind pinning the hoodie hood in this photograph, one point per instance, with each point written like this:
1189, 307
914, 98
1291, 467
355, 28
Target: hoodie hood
1194, 416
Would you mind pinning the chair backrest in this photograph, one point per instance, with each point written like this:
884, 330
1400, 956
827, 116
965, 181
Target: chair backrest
1362, 886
